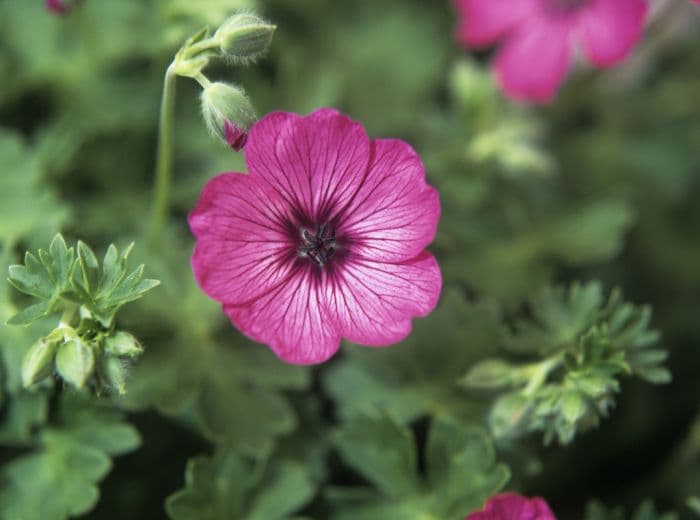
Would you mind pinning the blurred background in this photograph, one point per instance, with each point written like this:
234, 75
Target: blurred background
603, 185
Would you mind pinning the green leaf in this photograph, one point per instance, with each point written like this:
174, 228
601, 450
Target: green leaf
462, 467
89, 267
419, 376
120, 289
23, 414
56, 275
461, 470
595, 510
229, 486
204, 496
286, 490
27, 204
586, 344
382, 451
60, 478
31, 314
198, 368
47, 278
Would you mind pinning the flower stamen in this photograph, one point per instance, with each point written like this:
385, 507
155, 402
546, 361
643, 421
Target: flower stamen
318, 245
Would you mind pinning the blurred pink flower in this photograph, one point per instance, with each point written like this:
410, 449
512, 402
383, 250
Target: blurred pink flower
324, 238
509, 506
538, 38
60, 6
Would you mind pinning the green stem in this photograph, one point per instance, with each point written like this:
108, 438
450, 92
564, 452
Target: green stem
67, 316
164, 158
202, 80
200, 47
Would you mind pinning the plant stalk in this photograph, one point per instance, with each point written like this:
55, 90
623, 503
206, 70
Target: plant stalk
164, 159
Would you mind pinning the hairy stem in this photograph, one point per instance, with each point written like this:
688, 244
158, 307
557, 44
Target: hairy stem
164, 159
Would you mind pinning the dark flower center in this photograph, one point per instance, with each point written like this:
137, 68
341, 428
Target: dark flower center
566, 5
318, 245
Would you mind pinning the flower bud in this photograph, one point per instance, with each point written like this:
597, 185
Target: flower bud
123, 344
228, 113
38, 361
244, 36
113, 373
489, 373
75, 362
508, 414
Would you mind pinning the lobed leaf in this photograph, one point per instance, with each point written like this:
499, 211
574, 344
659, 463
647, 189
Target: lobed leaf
229, 486
59, 479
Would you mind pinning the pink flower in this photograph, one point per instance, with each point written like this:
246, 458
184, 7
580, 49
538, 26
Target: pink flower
324, 238
60, 6
538, 37
509, 506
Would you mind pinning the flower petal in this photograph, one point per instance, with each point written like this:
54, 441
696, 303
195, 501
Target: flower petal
482, 22
395, 213
373, 302
610, 28
510, 506
242, 249
533, 62
291, 319
315, 162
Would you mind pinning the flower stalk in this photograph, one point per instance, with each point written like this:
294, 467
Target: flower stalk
164, 157
242, 38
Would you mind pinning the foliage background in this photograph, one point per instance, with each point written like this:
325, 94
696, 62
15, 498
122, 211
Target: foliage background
602, 185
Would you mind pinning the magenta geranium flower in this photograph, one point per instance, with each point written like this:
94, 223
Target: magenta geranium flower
60, 6
509, 506
324, 238
538, 37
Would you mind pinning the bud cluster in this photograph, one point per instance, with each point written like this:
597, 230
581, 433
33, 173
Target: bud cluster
227, 110
99, 361
85, 349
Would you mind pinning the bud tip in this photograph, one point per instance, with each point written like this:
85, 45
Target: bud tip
235, 136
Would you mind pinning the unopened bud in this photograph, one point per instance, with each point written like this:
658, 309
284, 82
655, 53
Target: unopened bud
75, 362
244, 37
113, 373
508, 414
123, 344
38, 362
228, 113
489, 373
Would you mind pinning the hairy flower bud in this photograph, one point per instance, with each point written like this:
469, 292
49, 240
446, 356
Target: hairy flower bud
75, 362
228, 113
123, 344
38, 361
113, 373
244, 37
508, 413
